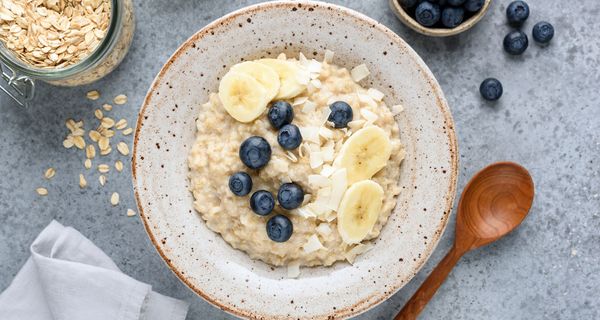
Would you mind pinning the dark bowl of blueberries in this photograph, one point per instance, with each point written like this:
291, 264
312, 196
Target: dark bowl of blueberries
440, 18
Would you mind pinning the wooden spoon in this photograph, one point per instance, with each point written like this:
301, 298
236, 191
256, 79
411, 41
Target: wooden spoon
493, 203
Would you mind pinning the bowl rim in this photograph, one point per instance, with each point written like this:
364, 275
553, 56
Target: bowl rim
357, 308
438, 32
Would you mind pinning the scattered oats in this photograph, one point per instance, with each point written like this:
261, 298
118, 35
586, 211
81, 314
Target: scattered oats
93, 95
107, 123
109, 133
119, 165
127, 131
102, 179
114, 199
573, 252
120, 99
107, 107
90, 151
94, 135
79, 142
42, 191
103, 143
68, 143
98, 113
78, 132
130, 213
103, 168
123, 148
50, 172
121, 124
82, 182
106, 151
87, 164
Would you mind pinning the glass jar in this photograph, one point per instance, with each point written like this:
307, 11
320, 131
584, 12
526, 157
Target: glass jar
20, 76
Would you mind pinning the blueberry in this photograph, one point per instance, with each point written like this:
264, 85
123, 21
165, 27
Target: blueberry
262, 202
456, 2
515, 42
290, 196
255, 152
240, 184
491, 89
517, 12
473, 5
279, 228
427, 13
289, 137
407, 3
341, 114
543, 32
280, 114
452, 17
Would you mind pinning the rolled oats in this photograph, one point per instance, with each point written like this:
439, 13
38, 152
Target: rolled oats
130, 213
42, 191
120, 99
119, 165
114, 199
103, 168
50, 172
127, 131
82, 181
123, 148
92, 95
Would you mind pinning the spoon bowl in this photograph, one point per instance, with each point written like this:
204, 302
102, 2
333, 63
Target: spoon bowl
494, 202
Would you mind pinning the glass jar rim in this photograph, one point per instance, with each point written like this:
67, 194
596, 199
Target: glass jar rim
19, 66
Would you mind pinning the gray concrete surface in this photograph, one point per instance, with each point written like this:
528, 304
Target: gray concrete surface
548, 120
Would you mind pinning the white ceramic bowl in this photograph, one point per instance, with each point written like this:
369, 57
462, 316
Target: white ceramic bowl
165, 132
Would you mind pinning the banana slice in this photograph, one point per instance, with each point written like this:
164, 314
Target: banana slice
359, 210
364, 153
292, 75
262, 73
244, 98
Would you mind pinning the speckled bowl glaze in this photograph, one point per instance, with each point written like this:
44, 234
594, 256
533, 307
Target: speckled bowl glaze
165, 133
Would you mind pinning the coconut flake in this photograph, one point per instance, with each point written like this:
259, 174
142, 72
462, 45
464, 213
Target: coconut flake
316, 159
397, 109
302, 58
313, 244
309, 107
290, 155
319, 206
299, 100
286, 179
316, 83
305, 212
370, 116
356, 124
282, 56
328, 151
325, 116
314, 66
324, 229
318, 181
326, 133
327, 170
306, 199
367, 99
339, 184
357, 250
360, 72
328, 56
375, 94
293, 270
303, 77
310, 134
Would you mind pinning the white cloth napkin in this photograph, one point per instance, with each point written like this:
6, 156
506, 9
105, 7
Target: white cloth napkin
68, 278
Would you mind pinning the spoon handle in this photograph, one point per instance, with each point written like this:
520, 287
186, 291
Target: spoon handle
417, 303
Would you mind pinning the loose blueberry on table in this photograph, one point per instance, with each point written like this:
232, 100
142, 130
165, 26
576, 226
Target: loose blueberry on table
341, 114
255, 152
543, 32
279, 228
262, 202
517, 12
491, 89
280, 113
290, 196
240, 184
289, 137
516, 42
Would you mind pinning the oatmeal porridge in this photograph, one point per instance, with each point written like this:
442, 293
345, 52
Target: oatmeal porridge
295, 163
